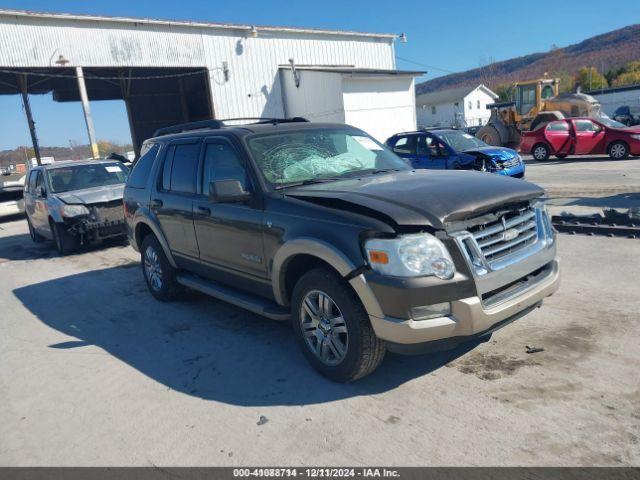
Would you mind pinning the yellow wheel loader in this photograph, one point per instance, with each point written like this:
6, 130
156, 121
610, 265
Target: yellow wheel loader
537, 102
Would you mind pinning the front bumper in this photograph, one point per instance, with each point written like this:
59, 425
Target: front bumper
469, 317
483, 299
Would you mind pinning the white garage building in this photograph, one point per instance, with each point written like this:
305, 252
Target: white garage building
169, 72
456, 107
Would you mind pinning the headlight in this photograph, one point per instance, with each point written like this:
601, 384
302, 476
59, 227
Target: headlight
73, 210
410, 256
635, 137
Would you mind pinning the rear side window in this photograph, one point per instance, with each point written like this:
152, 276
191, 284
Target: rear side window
558, 127
184, 168
585, 126
142, 168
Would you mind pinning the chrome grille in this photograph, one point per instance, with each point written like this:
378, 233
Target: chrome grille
514, 162
509, 233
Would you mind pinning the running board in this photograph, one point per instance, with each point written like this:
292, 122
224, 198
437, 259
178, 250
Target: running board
254, 304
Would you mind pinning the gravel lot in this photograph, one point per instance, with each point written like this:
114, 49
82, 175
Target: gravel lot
96, 372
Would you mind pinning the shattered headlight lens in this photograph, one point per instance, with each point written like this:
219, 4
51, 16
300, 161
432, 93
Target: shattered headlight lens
73, 210
410, 256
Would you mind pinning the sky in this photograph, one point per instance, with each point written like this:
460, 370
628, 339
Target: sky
443, 36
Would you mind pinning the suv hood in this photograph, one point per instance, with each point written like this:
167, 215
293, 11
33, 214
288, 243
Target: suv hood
107, 193
420, 197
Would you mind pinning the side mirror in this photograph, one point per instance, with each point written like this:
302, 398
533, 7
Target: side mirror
228, 191
42, 192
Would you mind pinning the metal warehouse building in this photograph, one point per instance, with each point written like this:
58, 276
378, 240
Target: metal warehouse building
169, 72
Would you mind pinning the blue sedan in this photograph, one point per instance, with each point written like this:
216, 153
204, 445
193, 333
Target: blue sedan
449, 149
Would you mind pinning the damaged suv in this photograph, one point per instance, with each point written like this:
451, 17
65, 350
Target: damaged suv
75, 202
321, 225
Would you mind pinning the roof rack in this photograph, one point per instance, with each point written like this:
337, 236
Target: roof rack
185, 127
216, 124
261, 120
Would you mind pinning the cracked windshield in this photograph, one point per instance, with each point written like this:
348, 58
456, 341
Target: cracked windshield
319, 155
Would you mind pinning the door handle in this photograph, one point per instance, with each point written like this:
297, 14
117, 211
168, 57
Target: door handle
205, 210
156, 202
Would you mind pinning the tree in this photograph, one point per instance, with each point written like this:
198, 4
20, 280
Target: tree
504, 92
589, 78
628, 78
612, 74
632, 67
567, 82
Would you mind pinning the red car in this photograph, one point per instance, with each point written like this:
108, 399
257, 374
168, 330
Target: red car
582, 136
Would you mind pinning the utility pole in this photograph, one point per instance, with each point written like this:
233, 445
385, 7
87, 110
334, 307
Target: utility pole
22, 82
87, 113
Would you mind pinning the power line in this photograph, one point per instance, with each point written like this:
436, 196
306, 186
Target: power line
424, 65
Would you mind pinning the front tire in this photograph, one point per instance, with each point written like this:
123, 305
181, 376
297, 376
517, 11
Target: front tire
540, 152
489, 134
35, 236
158, 272
619, 150
65, 242
332, 327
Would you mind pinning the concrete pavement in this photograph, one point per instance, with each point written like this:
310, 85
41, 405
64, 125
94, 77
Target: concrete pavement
93, 371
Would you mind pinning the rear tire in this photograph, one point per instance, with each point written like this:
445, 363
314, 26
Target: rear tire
618, 150
35, 236
540, 152
333, 328
65, 242
489, 134
158, 272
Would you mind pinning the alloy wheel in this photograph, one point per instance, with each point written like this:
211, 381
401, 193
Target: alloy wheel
539, 153
153, 268
323, 327
618, 150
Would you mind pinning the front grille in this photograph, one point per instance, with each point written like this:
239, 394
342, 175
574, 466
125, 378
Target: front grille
509, 233
109, 211
514, 162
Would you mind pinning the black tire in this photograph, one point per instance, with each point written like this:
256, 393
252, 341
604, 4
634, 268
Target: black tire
618, 150
540, 152
167, 288
65, 242
35, 236
364, 351
561, 155
489, 134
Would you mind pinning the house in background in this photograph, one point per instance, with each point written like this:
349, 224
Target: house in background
456, 107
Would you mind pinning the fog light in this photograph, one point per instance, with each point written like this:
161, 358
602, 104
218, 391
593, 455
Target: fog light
431, 311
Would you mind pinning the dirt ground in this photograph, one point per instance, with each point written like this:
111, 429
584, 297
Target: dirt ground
93, 371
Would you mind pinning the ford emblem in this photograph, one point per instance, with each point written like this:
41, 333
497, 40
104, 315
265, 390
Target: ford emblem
510, 234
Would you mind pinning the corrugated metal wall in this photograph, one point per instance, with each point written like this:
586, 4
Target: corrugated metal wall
253, 87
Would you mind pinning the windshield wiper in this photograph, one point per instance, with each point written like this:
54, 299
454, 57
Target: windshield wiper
309, 181
368, 171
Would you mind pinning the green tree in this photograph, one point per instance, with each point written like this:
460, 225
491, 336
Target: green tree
632, 67
628, 78
589, 78
504, 92
567, 82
